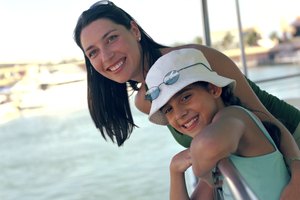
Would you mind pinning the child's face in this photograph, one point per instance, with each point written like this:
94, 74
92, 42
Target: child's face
192, 108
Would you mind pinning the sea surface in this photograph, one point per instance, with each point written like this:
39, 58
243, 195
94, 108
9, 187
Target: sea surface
55, 152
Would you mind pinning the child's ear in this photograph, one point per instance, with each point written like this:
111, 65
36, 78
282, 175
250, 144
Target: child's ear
214, 90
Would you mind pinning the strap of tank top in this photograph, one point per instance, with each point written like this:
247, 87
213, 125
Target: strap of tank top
259, 124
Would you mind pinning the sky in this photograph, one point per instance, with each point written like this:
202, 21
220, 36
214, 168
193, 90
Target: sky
36, 30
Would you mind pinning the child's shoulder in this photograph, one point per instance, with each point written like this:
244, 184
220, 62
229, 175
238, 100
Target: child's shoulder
236, 114
233, 111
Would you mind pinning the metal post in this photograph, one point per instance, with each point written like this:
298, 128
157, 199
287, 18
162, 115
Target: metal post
243, 57
205, 19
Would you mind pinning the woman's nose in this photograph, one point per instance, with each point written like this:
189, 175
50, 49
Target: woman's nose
106, 54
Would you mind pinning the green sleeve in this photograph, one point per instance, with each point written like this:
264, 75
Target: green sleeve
284, 112
183, 140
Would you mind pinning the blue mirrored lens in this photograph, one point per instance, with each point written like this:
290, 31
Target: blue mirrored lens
152, 93
171, 77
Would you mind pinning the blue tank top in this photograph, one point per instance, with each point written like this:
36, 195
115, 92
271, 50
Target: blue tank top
266, 175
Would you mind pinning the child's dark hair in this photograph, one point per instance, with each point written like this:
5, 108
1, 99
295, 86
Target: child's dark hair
230, 99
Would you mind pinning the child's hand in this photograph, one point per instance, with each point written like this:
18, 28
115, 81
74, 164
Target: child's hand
213, 178
181, 162
209, 179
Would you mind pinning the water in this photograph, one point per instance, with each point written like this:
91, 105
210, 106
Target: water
55, 153
283, 88
64, 158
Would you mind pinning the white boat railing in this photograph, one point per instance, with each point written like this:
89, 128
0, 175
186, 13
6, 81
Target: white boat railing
226, 171
237, 185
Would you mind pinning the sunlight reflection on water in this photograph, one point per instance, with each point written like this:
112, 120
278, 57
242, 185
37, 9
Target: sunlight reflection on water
56, 153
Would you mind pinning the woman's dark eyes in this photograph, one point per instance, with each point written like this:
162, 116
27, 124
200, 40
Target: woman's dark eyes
110, 39
92, 53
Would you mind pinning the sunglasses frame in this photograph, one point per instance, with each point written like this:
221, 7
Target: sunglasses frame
169, 79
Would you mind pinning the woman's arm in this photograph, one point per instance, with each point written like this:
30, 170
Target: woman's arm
280, 109
226, 67
291, 191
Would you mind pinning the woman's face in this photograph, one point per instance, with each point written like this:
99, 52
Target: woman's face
191, 109
113, 50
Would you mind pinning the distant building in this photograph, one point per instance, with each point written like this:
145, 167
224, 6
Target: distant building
296, 26
286, 52
254, 55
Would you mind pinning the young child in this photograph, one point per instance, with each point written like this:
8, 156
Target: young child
196, 101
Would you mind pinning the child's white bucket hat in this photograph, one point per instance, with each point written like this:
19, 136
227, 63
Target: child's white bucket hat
192, 67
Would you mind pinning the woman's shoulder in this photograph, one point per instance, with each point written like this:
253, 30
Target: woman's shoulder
214, 56
194, 46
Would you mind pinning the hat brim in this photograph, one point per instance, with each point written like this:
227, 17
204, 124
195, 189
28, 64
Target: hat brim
168, 91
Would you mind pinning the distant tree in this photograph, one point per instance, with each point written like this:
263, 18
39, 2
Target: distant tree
227, 40
177, 44
198, 40
251, 38
274, 36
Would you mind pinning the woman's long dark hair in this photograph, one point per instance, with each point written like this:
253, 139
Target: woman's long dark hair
108, 101
230, 99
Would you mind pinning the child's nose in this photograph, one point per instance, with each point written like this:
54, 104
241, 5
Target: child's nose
180, 113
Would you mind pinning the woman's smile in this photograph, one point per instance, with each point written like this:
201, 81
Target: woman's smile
117, 66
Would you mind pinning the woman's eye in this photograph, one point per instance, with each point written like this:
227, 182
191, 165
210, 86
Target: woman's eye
92, 53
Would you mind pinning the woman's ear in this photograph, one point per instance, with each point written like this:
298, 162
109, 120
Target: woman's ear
135, 30
214, 90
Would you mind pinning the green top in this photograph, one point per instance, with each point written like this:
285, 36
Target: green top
284, 112
266, 174
287, 114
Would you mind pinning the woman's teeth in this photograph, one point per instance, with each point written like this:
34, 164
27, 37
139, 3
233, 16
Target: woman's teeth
116, 67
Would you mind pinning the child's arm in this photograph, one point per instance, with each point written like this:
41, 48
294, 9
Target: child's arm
179, 164
216, 141
203, 191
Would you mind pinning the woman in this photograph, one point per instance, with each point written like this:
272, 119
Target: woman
118, 54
